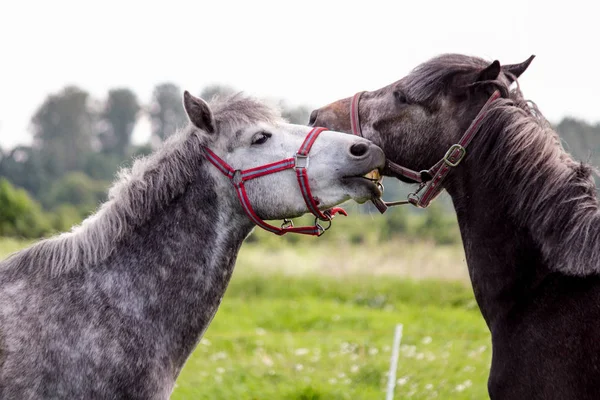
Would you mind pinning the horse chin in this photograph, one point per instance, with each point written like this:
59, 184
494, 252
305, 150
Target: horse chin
361, 189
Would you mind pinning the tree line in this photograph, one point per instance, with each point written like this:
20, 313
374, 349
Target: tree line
78, 145
80, 142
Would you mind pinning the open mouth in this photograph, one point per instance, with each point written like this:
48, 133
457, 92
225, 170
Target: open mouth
372, 179
373, 176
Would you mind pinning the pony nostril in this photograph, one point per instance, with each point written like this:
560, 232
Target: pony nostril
313, 117
359, 149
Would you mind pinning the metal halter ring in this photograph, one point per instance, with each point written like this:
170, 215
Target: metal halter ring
237, 177
287, 223
320, 227
300, 161
414, 199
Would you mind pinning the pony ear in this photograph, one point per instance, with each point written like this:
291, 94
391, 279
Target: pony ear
199, 112
518, 69
490, 73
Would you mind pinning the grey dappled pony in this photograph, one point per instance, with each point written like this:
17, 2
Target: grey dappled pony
113, 309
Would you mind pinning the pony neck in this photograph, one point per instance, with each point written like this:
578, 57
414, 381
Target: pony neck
186, 260
524, 207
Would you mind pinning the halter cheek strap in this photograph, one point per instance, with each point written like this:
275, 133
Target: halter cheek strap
432, 178
300, 163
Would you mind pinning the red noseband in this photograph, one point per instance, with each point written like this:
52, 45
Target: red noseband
300, 164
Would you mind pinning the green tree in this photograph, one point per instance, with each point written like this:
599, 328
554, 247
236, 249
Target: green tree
23, 167
119, 117
63, 130
20, 216
166, 110
77, 189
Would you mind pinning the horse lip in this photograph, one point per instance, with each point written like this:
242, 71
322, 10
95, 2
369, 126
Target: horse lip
374, 186
373, 174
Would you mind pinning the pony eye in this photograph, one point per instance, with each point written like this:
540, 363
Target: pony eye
261, 138
400, 97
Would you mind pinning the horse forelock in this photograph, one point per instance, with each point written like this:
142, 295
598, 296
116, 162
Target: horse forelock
232, 112
430, 79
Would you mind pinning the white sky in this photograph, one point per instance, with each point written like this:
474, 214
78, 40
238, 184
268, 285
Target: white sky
308, 52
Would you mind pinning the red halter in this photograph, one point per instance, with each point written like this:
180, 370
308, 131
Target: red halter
300, 163
430, 179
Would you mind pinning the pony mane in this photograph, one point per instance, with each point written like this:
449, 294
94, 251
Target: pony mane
140, 192
547, 191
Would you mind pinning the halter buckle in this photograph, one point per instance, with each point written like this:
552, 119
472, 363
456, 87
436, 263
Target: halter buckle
237, 177
287, 224
300, 161
449, 160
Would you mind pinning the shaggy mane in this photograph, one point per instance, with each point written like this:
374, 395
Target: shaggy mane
140, 192
545, 189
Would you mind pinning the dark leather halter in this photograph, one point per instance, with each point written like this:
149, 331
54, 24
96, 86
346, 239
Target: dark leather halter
430, 179
299, 162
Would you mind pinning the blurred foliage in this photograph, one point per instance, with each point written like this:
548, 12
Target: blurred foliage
166, 110
80, 143
77, 189
63, 130
215, 89
20, 216
119, 118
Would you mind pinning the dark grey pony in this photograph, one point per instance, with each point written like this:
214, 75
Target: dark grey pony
527, 211
112, 309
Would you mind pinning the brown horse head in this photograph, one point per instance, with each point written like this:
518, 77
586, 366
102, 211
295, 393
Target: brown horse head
528, 214
416, 119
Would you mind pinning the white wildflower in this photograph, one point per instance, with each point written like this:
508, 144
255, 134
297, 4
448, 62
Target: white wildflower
301, 352
268, 361
260, 331
218, 356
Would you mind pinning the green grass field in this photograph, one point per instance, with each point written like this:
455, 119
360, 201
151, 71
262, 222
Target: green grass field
315, 320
